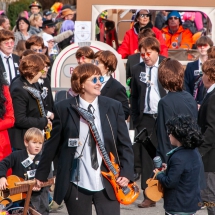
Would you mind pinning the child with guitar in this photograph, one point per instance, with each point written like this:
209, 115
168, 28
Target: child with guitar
24, 164
182, 176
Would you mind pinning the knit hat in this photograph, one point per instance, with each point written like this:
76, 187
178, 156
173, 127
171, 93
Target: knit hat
174, 13
66, 12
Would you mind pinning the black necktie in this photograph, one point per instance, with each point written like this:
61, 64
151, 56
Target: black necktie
8, 64
92, 143
149, 89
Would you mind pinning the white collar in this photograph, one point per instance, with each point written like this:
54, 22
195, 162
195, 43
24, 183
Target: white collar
84, 104
4, 55
40, 81
210, 89
155, 65
106, 78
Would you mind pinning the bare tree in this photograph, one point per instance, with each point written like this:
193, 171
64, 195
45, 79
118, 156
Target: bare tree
46, 4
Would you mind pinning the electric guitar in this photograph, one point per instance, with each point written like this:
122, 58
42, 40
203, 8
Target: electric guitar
124, 195
17, 187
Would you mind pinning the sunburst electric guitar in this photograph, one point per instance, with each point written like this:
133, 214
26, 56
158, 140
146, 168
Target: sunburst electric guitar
124, 195
17, 188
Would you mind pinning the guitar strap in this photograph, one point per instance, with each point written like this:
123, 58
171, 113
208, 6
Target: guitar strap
113, 140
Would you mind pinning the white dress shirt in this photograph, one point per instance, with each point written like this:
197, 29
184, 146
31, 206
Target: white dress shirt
4, 60
211, 88
90, 178
106, 78
154, 93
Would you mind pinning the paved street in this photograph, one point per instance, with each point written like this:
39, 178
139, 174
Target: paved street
134, 210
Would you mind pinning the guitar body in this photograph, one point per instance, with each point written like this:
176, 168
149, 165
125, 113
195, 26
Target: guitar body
11, 180
126, 195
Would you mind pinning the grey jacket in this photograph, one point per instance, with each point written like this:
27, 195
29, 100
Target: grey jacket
34, 30
19, 36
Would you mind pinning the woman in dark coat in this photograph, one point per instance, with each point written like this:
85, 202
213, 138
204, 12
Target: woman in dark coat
26, 109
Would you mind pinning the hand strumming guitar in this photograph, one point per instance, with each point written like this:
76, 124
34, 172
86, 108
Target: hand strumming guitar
3, 183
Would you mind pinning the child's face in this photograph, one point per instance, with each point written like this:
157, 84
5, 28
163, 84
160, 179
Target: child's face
33, 147
173, 140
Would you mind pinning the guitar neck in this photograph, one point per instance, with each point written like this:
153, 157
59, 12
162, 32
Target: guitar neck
102, 148
23, 186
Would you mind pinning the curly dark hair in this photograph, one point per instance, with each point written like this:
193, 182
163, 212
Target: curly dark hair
2, 96
185, 130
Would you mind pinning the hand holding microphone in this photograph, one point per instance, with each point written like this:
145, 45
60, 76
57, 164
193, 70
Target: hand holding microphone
159, 166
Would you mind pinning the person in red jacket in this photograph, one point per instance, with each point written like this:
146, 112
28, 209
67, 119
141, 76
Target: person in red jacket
175, 35
6, 117
129, 44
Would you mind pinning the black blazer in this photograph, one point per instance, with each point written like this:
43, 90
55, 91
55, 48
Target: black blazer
132, 60
174, 103
206, 120
138, 91
190, 79
15, 61
14, 161
115, 90
26, 111
66, 125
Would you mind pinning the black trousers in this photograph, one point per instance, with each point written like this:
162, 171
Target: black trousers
83, 206
142, 161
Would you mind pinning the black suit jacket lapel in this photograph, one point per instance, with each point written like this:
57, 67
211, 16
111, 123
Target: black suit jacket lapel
73, 113
2, 64
107, 86
15, 61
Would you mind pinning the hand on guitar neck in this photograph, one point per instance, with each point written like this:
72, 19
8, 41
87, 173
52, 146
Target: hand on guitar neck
122, 181
4, 185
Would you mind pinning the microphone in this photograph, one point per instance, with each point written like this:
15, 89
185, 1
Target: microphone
157, 163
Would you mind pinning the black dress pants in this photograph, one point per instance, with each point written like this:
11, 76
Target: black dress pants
142, 161
83, 206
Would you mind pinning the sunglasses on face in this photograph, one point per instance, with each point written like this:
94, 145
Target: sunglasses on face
37, 50
11, 43
95, 79
43, 72
96, 62
202, 46
173, 18
147, 54
144, 15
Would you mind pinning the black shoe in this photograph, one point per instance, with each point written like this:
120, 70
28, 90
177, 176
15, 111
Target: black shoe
136, 176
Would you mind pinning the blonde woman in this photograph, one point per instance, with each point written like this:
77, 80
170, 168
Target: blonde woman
36, 22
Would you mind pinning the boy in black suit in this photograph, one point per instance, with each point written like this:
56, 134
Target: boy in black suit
24, 164
206, 120
193, 73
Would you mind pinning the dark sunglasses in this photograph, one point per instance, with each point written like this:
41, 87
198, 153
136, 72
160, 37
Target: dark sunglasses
95, 79
144, 15
145, 54
174, 17
200, 46
37, 50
